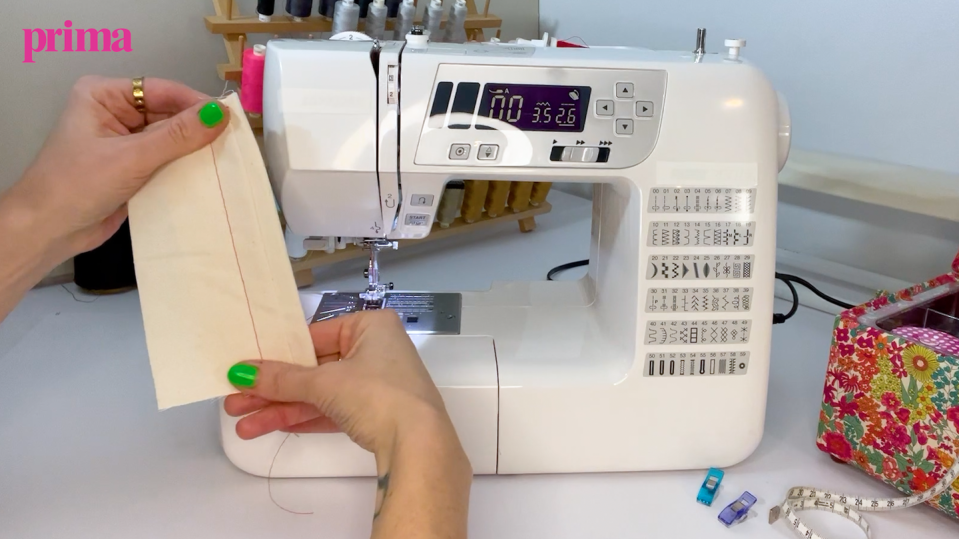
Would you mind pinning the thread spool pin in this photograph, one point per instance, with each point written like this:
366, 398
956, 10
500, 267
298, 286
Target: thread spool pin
734, 47
700, 41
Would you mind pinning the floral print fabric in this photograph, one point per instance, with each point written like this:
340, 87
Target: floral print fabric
891, 406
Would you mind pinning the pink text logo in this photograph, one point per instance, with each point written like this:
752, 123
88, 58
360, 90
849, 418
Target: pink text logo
74, 39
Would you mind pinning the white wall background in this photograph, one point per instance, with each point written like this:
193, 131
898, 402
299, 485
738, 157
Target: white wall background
870, 78
875, 79
169, 40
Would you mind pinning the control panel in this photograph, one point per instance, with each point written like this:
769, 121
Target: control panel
544, 117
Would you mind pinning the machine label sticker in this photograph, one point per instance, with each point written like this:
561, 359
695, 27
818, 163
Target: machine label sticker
659, 332
692, 267
689, 300
696, 364
701, 200
701, 234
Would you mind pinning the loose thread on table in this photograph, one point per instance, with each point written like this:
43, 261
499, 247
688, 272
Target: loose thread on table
269, 479
75, 298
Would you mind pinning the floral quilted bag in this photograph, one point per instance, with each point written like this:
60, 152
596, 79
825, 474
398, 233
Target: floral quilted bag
891, 403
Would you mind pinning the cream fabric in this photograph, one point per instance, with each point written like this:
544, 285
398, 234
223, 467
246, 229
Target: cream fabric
215, 281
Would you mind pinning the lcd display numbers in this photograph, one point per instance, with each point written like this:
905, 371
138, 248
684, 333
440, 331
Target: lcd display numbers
531, 107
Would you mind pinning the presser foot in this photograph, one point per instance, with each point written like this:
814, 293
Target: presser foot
375, 292
422, 313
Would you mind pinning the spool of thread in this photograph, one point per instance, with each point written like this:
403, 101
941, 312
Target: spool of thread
376, 20
519, 194
474, 196
326, 8
450, 203
456, 23
294, 244
265, 9
346, 16
540, 190
109, 268
433, 19
300, 9
364, 8
405, 13
496, 198
392, 8
251, 83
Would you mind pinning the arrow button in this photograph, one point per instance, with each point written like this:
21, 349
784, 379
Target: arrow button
488, 152
604, 107
644, 109
624, 90
624, 127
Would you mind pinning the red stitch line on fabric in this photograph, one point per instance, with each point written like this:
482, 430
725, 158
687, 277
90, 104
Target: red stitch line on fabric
235, 254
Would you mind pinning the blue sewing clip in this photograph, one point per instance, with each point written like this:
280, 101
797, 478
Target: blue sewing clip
738, 510
710, 486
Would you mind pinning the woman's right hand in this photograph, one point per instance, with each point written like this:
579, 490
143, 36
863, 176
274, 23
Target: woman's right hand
369, 382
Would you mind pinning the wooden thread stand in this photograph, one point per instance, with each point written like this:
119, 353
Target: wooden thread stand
505, 201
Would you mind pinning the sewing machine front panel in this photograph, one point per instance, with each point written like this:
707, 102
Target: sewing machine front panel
541, 117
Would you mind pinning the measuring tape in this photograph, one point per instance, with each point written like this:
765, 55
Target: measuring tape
850, 507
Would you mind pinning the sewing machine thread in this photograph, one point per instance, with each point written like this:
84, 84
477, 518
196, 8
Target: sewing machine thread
299, 9
456, 23
376, 19
473, 199
539, 192
519, 194
496, 198
265, 9
251, 83
346, 16
432, 19
450, 204
405, 13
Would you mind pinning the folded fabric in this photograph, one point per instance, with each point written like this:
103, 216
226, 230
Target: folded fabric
215, 282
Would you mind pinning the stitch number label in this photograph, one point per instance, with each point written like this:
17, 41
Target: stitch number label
696, 364
659, 332
701, 200
693, 267
701, 234
691, 300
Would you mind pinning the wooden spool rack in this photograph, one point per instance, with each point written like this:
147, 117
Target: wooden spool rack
235, 27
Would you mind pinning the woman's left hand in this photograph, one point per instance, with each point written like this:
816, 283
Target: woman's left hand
103, 151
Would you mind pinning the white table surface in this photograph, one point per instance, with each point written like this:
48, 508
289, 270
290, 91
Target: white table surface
84, 453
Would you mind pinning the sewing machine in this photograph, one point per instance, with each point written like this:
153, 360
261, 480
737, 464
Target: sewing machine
658, 359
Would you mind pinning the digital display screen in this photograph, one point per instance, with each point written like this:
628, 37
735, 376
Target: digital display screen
531, 107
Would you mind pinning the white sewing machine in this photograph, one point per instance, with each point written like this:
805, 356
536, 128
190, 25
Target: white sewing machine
659, 358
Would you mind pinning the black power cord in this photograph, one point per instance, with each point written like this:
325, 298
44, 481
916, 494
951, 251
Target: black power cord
786, 278
778, 318
567, 266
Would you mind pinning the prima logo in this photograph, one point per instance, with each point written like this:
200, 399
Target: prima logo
74, 40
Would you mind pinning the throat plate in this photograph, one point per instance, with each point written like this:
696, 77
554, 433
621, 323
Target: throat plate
422, 313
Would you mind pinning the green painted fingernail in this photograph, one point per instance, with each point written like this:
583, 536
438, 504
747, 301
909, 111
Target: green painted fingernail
242, 375
211, 114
